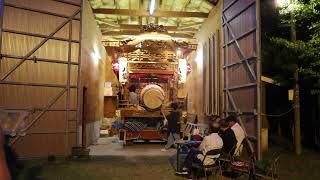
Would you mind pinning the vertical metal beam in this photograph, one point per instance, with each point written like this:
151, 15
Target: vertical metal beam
209, 78
79, 73
225, 35
68, 86
1, 25
258, 45
219, 74
39, 45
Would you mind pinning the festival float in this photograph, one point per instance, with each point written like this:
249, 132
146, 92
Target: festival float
156, 65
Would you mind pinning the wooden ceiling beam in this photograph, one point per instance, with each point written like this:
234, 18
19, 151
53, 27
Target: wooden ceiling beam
133, 33
138, 27
157, 13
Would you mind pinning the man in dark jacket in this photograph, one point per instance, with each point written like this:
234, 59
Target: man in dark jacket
173, 126
228, 137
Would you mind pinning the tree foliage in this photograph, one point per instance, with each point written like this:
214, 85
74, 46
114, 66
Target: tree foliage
281, 56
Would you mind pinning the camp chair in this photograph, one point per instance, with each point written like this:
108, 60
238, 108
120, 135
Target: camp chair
233, 154
232, 160
230, 156
216, 166
256, 169
270, 170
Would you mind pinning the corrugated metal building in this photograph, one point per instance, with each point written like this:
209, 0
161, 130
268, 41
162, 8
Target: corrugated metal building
52, 54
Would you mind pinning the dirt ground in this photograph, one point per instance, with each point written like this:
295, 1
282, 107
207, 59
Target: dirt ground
115, 168
291, 167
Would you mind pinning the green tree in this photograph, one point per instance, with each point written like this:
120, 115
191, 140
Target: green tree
291, 50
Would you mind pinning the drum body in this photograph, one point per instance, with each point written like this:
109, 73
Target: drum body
152, 97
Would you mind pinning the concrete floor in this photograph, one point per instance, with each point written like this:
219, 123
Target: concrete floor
110, 146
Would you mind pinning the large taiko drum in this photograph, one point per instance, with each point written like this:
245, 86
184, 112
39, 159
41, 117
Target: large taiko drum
152, 97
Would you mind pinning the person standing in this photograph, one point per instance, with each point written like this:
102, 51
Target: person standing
173, 126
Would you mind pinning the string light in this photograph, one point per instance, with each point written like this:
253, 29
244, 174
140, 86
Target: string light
152, 6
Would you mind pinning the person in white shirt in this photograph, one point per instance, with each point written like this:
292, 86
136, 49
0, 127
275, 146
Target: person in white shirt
196, 155
238, 131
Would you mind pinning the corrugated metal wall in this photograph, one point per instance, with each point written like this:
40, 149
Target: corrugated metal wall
42, 77
235, 26
240, 21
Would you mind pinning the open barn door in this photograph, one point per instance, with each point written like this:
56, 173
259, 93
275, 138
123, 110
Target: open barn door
241, 48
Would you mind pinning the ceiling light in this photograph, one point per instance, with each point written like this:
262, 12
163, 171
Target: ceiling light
154, 36
152, 6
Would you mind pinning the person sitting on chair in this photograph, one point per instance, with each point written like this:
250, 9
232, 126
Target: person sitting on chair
228, 137
238, 131
196, 155
214, 122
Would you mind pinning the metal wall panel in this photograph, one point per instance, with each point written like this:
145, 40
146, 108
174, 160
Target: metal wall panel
211, 75
39, 67
241, 46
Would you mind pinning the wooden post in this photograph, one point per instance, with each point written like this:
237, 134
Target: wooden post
296, 100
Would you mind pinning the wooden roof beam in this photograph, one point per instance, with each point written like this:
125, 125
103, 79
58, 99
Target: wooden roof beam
134, 33
138, 27
157, 13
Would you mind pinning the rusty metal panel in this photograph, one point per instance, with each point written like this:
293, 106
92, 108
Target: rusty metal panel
241, 48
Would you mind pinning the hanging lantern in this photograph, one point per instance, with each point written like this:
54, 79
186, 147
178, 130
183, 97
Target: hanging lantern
123, 70
182, 70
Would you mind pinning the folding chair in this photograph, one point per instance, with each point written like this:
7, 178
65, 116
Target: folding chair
271, 171
231, 156
213, 154
227, 157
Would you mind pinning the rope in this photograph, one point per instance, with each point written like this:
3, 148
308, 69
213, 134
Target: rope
279, 115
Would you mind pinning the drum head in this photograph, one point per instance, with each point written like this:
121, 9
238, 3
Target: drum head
152, 97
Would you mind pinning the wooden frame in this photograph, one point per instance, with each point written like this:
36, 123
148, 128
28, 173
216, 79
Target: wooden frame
132, 12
